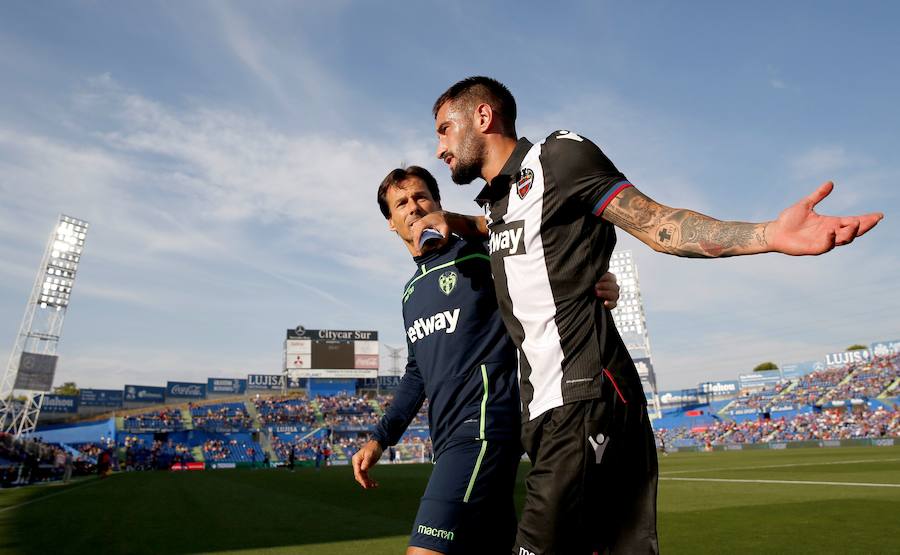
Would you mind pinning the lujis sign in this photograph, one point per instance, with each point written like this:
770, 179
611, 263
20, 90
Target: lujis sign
847, 357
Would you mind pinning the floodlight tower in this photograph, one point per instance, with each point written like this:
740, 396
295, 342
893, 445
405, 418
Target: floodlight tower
632, 323
32, 362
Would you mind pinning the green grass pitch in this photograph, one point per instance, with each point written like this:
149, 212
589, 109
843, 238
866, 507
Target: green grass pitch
724, 502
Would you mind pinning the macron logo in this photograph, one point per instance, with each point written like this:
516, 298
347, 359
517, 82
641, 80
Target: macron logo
507, 241
423, 327
435, 532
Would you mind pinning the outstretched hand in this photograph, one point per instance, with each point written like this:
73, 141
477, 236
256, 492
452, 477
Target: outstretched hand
799, 230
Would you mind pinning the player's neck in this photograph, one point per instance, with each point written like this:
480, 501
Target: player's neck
499, 149
409, 246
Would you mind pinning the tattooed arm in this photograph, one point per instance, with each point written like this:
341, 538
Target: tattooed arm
683, 232
799, 230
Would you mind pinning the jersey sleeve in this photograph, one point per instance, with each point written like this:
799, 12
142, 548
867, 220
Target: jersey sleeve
581, 171
408, 399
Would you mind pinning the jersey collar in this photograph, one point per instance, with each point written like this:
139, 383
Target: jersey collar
499, 186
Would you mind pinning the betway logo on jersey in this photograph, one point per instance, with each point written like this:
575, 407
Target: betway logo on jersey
508, 239
423, 327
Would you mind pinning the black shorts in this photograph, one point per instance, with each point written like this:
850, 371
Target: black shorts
468, 503
592, 486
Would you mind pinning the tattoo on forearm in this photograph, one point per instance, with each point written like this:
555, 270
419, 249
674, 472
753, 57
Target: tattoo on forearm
682, 232
715, 237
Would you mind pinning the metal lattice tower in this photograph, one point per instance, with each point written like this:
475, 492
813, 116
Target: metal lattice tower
394, 353
32, 361
632, 323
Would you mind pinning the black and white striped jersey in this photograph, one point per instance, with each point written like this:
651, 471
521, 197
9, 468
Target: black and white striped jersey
548, 246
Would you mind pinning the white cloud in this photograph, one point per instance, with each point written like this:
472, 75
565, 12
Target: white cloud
820, 161
193, 206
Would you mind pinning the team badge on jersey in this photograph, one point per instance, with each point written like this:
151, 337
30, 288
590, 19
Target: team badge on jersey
523, 185
447, 282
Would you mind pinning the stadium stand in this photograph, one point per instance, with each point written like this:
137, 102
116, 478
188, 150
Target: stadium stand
828, 424
286, 410
866, 380
854, 401
165, 420
232, 448
756, 400
221, 417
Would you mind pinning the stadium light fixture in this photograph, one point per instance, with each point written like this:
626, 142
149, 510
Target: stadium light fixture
62, 264
32, 361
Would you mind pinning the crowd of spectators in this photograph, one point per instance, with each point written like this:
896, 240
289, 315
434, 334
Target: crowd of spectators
165, 420
143, 454
28, 460
222, 417
758, 399
348, 411
230, 449
821, 425
421, 418
868, 379
318, 451
286, 410
811, 388
344, 404
367, 420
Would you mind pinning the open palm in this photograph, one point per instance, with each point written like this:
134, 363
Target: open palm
799, 230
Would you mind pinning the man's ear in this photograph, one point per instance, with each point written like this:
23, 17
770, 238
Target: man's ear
484, 117
391, 226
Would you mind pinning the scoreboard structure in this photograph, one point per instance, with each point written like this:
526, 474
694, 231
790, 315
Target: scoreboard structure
331, 353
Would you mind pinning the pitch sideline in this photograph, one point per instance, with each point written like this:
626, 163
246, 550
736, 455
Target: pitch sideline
790, 465
49, 495
801, 482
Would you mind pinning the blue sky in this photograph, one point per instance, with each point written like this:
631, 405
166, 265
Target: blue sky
227, 156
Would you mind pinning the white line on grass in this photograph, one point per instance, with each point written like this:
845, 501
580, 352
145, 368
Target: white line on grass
791, 465
802, 482
41, 498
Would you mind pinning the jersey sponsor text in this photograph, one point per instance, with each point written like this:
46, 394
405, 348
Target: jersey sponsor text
508, 241
423, 327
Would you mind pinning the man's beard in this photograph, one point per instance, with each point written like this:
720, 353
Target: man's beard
469, 159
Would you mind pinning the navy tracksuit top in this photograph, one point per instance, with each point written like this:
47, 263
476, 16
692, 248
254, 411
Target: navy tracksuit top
460, 356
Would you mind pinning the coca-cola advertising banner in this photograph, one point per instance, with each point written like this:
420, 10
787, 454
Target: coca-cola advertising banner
185, 390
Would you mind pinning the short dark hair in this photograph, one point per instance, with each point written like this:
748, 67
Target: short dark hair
477, 89
397, 176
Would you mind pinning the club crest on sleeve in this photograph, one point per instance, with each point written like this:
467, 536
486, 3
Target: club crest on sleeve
447, 282
523, 185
